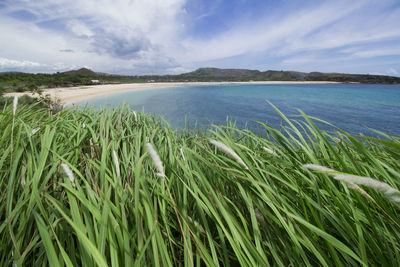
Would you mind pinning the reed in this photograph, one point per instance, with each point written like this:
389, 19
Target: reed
92, 196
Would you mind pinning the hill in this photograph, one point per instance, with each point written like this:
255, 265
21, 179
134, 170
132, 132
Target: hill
223, 73
215, 74
83, 72
19, 81
361, 78
282, 75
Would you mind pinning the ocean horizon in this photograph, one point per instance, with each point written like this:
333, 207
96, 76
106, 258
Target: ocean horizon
351, 107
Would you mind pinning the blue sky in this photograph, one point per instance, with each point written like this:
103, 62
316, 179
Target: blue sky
175, 36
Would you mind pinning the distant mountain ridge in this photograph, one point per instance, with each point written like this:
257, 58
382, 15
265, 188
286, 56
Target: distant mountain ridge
19, 81
82, 72
215, 72
273, 75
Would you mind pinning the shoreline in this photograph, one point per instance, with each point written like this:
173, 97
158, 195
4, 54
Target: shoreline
70, 95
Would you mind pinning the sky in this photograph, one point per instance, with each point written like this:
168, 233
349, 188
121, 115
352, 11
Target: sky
138, 37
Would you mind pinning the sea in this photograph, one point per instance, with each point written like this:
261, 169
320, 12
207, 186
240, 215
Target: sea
354, 108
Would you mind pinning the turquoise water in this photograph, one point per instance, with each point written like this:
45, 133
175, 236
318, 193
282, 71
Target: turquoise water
351, 107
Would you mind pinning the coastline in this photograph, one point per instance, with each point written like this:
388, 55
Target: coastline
69, 95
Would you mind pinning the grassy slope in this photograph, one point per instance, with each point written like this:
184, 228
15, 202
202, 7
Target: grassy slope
207, 209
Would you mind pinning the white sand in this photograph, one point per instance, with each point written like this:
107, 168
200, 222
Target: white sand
74, 94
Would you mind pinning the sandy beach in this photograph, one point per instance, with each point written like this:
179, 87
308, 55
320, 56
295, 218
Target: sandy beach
66, 95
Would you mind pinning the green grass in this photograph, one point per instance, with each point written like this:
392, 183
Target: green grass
206, 210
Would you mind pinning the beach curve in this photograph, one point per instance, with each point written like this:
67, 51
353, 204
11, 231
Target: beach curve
68, 95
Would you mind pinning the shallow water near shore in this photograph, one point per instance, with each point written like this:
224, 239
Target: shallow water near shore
351, 107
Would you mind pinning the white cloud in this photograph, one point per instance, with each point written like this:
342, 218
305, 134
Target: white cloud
109, 35
157, 19
10, 63
392, 71
324, 26
366, 53
149, 36
79, 28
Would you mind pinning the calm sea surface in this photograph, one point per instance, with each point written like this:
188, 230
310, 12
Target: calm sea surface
351, 107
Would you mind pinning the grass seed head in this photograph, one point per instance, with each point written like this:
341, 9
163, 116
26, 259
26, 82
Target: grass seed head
196, 224
69, 173
116, 163
318, 168
270, 151
386, 189
228, 151
23, 182
183, 156
392, 193
156, 160
15, 104
35, 131
92, 152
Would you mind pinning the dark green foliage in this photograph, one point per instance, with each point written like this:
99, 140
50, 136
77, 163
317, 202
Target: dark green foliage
39, 102
347, 78
18, 81
214, 74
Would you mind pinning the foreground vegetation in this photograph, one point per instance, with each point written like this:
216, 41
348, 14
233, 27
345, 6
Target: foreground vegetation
80, 188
